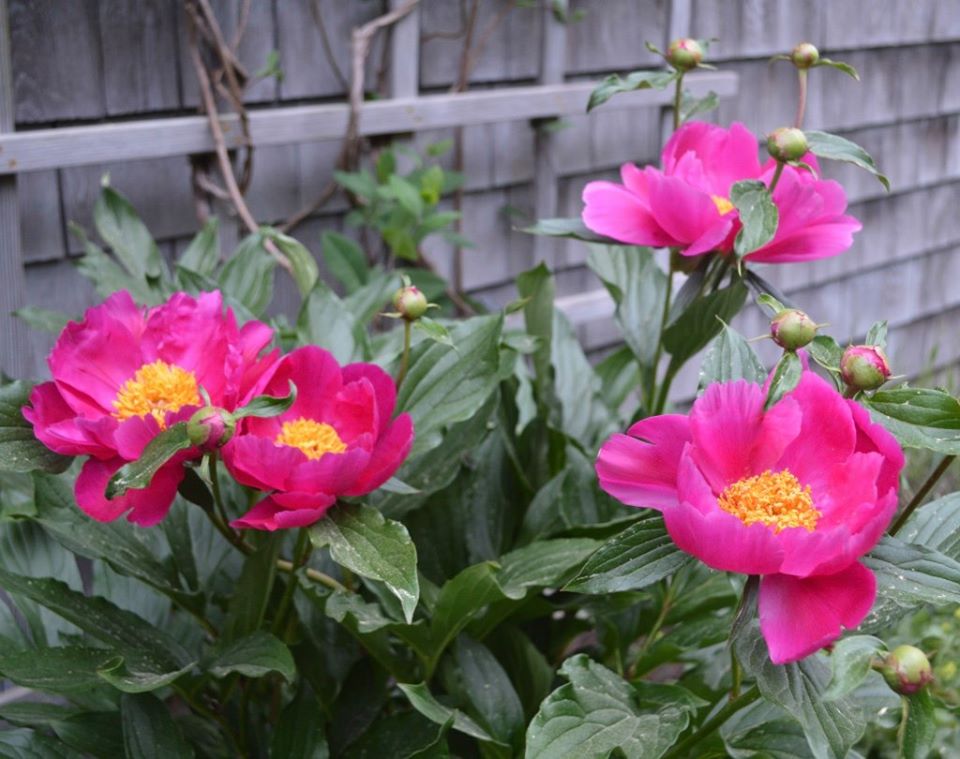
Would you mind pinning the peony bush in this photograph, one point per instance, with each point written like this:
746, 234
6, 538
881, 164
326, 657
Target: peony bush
402, 525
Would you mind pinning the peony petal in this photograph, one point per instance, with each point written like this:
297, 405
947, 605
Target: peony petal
270, 515
876, 438
613, 210
56, 425
333, 473
683, 211
800, 616
387, 456
354, 412
147, 507
257, 463
384, 388
640, 468
734, 438
717, 237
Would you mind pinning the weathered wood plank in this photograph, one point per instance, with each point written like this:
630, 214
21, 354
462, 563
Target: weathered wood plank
41, 230
756, 28
889, 22
404, 66
139, 48
61, 80
610, 36
78, 146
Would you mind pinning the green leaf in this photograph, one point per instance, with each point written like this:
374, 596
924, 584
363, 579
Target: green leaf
936, 525
846, 68
729, 358
691, 106
248, 274
266, 406
138, 474
909, 576
619, 376
305, 271
109, 277
837, 148
918, 406
826, 352
406, 195
945, 441
149, 731
699, 323
43, 319
361, 540
636, 80
758, 216
256, 655
424, 702
26, 744
407, 735
831, 728
369, 300
639, 287
132, 677
20, 451
203, 253
345, 260
475, 675
325, 320
544, 563
638, 556
919, 729
299, 733
595, 714
360, 183
248, 605
766, 299
446, 385
583, 416
877, 335
120, 227
573, 228
92, 733
433, 330
786, 376
67, 669
850, 660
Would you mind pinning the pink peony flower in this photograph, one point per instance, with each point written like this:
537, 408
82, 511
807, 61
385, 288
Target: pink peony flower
124, 373
687, 204
337, 439
796, 494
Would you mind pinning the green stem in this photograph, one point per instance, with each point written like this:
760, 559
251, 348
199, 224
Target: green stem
651, 390
677, 96
776, 175
300, 554
665, 388
651, 637
802, 101
208, 715
922, 493
324, 579
404, 361
736, 675
708, 727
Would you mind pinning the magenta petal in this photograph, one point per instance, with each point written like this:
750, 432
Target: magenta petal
147, 507
269, 515
257, 463
383, 385
640, 469
800, 616
55, 425
613, 210
390, 451
332, 473
354, 412
683, 211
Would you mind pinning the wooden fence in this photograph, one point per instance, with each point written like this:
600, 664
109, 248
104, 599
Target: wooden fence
93, 87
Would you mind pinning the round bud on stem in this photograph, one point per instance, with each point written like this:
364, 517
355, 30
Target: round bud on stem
787, 144
410, 303
804, 55
864, 367
907, 670
684, 54
792, 329
211, 427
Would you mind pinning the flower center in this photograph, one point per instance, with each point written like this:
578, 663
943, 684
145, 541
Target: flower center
313, 438
156, 389
723, 205
773, 499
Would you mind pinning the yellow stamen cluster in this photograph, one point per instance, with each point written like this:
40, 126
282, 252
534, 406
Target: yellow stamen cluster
156, 389
723, 205
312, 437
774, 499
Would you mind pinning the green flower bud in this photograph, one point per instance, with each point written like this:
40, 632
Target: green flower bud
804, 55
684, 54
787, 144
792, 329
410, 303
864, 367
211, 427
907, 670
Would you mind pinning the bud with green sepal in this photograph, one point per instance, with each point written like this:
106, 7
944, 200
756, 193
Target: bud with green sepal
792, 329
211, 427
864, 367
684, 54
804, 55
410, 303
907, 670
787, 144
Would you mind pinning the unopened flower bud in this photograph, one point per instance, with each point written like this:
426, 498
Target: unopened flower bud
864, 367
211, 427
804, 55
410, 303
787, 144
907, 670
684, 54
792, 329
